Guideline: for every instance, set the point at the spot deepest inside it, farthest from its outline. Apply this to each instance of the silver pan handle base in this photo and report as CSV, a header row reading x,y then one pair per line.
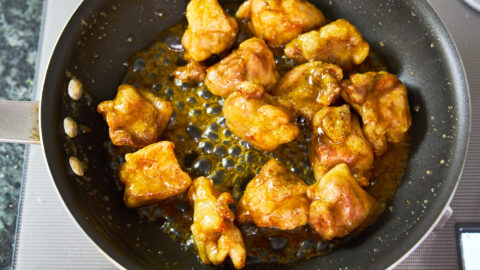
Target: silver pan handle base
x,y
19,122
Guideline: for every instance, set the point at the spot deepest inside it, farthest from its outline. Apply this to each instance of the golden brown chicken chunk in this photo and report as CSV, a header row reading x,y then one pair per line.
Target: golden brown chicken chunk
x,y
136,118
276,198
340,206
338,43
152,174
253,116
210,30
253,61
307,88
382,102
279,21
213,230
338,138
190,73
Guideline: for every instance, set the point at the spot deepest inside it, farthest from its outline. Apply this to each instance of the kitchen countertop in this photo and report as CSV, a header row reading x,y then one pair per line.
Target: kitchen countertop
x,y
19,35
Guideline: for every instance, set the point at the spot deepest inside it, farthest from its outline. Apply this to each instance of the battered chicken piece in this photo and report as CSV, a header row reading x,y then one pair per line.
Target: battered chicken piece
x,y
307,88
340,206
135,118
210,30
152,174
276,198
213,230
382,102
190,73
253,116
279,21
253,61
338,43
338,138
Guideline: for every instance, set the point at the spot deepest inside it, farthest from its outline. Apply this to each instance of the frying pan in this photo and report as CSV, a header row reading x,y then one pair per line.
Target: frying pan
x,y
102,34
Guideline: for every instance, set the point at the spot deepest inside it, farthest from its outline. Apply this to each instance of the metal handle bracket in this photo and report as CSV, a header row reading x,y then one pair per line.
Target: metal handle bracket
x,y
19,122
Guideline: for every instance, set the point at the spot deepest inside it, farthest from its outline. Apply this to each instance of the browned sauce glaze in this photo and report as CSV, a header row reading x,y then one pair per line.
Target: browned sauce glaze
x,y
205,147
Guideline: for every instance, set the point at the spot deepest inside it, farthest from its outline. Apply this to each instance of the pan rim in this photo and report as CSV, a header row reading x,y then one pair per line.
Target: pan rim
x,y
122,261
467,143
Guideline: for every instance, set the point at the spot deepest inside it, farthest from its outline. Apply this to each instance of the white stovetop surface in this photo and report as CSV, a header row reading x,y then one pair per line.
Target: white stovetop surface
x,y
48,238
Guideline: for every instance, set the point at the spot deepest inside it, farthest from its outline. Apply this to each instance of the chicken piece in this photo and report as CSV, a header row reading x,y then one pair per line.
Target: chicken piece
x,y
307,88
338,138
279,21
210,30
338,43
340,206
135,118
253,116
253,61
381,100
276,198
213,230
191,73
152,174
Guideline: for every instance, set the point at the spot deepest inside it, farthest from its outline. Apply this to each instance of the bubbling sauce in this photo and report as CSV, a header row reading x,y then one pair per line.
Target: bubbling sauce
x,y
205,147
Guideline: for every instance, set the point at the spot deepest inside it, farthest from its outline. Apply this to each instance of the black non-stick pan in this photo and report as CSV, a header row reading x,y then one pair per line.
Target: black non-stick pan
x,y
101,36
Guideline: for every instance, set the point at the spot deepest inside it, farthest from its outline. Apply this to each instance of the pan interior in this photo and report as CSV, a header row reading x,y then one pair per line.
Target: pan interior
x,y
103,34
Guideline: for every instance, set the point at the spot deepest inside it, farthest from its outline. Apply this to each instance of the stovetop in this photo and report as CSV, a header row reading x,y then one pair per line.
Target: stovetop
x,y
48,238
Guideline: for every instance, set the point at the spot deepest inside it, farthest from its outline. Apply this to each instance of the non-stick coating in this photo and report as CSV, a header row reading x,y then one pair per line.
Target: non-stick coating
x,y
407,33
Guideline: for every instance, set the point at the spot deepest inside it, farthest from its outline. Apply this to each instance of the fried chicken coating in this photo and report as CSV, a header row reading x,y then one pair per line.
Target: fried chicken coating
x,y
276,198
191,73
253,62
307,88
253,116
279,21
340,206
213,230
338,43
338,138
381,100
152,174
135,118
210,30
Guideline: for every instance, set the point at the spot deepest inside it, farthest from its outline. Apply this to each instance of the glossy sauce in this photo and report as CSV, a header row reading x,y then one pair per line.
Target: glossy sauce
x,y
205,147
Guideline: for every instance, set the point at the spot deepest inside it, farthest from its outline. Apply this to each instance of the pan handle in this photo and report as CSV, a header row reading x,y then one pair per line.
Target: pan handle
x,y
19,122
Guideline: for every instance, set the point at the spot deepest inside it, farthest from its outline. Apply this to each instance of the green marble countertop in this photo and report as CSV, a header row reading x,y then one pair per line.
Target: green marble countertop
x,y
19,34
